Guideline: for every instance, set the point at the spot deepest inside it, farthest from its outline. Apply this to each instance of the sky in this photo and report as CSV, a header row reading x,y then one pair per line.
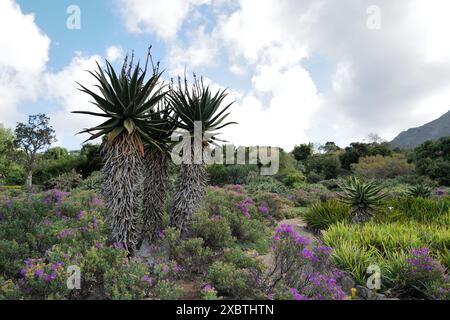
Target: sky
x,y
298,71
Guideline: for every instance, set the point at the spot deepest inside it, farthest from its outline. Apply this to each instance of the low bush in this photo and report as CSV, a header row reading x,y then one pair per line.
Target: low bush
x,y
320,216
193,256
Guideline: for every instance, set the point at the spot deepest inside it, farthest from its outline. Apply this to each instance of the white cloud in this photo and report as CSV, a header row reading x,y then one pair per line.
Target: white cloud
x,y
114,53
164,18
385,80
23,56
201,52
62,89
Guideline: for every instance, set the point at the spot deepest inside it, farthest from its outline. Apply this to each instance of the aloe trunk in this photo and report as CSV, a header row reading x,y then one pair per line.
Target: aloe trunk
x,y
189,191
155,184
122,188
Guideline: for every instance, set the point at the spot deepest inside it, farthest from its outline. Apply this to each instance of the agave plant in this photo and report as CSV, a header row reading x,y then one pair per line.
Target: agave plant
x,y
362,197
420,190
198,108
156,170
126,101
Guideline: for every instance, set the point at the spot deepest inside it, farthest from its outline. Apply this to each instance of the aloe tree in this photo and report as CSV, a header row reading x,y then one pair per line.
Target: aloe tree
x,y
199,109
156,171
125,100
362,197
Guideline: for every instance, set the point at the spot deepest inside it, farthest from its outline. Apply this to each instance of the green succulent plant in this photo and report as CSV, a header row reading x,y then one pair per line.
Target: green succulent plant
x,y
420,191
196,104
362,197
126,100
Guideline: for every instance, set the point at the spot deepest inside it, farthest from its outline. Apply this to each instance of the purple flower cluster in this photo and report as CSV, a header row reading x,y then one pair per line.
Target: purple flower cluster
x,y
37,268
97,202
287,230
264,209
441,192
422,263
298,296
325,287
148,279
67,233
244,206
55,196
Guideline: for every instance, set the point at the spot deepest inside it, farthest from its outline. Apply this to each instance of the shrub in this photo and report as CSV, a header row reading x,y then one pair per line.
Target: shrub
x,y
300,269
64,182
193,256
215,230
9,290
379,167
320,216
167,290
234,282
93,182
265,183
277,206
220,175
423,277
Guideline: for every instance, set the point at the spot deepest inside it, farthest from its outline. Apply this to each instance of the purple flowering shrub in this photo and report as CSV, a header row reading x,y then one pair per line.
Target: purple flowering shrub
x,y
277,206
303,270
208,292
424,276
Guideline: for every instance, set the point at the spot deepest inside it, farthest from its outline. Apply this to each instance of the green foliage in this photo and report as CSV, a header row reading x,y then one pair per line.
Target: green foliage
x,y
358,150
65,182
303,151
363,198
379,167
32,137
93,182
193,255
220,175
420,190
199,103
327,166
127,101
231,281
321,216
215,230
265,183
306,197
387,245
432,159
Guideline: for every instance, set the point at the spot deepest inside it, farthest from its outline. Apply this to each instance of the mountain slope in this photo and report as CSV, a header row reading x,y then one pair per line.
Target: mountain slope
x,y
430,131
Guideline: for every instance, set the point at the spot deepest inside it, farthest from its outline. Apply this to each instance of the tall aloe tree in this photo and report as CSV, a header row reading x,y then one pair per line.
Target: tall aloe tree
x,y
125,100
156,171
195,105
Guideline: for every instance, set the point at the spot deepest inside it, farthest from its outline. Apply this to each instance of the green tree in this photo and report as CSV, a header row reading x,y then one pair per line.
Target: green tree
x,y
33,136
432,159
303,151
358,150
325,165
7,150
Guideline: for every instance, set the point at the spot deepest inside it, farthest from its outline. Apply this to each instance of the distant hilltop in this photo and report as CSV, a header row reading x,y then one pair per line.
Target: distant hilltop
x,y
430,131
